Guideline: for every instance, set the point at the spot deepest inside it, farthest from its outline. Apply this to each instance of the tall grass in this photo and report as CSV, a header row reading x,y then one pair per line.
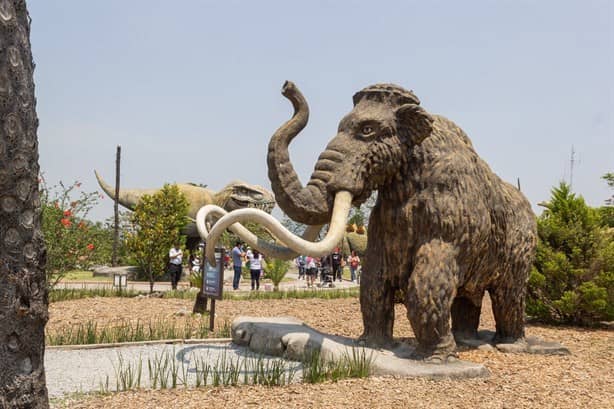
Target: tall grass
x,y
65,294
355,365
165,372
91,332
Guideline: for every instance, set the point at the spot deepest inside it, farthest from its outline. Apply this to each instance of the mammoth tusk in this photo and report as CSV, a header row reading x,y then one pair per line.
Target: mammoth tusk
x,y
271,249
341,209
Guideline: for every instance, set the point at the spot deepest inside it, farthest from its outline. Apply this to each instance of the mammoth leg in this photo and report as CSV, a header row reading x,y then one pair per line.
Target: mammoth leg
x,y
432,288
377,307
508,301
465,318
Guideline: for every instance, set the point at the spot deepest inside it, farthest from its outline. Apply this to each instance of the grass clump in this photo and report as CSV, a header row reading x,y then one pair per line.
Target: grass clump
x,y
164,371
66,294
316,368
91,332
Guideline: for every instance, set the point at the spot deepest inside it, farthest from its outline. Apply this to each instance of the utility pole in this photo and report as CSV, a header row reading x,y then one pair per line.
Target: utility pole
x,y
571,164
116,207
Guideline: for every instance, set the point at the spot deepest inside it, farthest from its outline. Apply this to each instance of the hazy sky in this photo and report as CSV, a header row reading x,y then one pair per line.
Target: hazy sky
x,y
191,89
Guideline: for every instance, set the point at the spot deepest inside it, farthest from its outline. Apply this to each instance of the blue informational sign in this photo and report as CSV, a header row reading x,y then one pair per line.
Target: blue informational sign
x,y
213,280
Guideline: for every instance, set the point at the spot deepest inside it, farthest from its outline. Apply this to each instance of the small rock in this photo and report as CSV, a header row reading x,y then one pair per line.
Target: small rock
x,y
486,347
517,347
181,313
607,324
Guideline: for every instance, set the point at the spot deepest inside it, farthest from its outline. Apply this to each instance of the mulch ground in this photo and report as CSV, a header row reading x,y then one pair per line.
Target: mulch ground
x,y
583,379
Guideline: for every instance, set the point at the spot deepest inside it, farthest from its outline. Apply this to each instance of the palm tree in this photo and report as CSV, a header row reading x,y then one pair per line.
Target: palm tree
x,y
23,293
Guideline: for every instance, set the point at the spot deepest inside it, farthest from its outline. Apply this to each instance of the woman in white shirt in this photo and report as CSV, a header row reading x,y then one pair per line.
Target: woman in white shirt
x,y
255,268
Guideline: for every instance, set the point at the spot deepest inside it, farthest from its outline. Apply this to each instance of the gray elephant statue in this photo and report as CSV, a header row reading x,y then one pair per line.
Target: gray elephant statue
x,y
445,229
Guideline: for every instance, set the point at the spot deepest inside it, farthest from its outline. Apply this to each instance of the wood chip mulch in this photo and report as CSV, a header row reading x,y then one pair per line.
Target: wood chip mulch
x,y
584,379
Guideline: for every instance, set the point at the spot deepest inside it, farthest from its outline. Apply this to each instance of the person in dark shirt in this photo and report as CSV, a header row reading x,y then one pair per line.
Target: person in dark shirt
x,y
336,264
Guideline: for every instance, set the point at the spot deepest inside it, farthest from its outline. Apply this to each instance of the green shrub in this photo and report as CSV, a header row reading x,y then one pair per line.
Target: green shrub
x,y
276,270
71,241
573,277
158,220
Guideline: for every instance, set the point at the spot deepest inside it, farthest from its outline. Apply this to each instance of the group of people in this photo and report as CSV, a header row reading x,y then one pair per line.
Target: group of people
x,y
308,266
253,259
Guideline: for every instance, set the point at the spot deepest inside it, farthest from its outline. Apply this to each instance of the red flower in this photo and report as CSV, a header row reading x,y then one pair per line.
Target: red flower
x,y
67,213
90,246
65,222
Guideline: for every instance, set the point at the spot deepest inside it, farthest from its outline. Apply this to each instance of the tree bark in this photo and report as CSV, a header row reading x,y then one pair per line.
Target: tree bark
x,y
23,289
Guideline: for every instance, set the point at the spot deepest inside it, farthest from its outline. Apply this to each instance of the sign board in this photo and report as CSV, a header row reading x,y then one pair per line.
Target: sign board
x,y
213,276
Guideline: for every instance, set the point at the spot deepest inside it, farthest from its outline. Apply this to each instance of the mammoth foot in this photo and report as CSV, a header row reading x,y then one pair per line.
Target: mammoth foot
x,y
438,357
377,341
292,339
486,340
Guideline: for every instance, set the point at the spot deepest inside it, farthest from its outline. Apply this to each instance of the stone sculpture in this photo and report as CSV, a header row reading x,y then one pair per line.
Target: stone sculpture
x,y
235,195
445,229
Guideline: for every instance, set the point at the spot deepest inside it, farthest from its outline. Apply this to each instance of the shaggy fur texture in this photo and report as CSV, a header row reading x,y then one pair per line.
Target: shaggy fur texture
x,y
444,231
445,228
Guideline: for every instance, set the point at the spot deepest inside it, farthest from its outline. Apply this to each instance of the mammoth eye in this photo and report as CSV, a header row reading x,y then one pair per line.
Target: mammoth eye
x,y
367,130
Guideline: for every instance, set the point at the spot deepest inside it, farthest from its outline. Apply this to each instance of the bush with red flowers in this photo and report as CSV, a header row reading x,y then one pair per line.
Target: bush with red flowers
x,y
72,241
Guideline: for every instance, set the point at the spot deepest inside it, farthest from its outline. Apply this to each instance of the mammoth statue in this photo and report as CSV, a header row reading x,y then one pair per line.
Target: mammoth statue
x,y
445,229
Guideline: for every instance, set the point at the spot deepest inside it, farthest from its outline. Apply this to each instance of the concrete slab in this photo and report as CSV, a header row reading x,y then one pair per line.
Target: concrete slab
x,y
291,338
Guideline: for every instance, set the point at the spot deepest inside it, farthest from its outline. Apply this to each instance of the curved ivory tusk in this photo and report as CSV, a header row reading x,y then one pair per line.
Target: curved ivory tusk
x,y
271,249
341,209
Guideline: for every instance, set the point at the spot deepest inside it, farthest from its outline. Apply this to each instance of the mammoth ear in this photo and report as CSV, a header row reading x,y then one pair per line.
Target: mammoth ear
x,y
414,122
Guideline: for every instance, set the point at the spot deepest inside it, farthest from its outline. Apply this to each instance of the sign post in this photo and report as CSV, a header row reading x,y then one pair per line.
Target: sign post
x,y
213,281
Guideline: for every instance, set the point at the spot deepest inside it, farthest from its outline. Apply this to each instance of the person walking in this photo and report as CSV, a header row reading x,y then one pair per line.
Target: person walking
x,y
300,263
312,270
336,264
237,263
354,262
255,268
175,256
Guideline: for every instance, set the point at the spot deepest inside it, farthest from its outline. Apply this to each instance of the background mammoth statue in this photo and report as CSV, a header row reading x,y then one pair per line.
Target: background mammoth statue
x,y
445,229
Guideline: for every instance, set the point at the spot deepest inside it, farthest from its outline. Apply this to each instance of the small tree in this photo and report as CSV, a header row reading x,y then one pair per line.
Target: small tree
x,y
276,270
573,277
158,220
72,241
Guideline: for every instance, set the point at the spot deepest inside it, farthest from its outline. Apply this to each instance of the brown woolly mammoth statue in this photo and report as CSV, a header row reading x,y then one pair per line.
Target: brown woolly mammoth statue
x,y
445,229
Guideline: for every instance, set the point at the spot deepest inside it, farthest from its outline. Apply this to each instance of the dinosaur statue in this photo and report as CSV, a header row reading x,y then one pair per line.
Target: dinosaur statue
x,y
236,195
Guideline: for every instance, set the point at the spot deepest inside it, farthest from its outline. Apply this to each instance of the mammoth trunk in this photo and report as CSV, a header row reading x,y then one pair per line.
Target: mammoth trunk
x,y
310,204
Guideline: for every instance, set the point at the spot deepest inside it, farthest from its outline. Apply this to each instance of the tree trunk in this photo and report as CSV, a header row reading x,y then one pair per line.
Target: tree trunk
x,y
200,304
23,287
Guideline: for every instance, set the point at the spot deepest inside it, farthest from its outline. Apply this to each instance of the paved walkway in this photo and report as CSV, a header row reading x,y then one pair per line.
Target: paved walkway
x,y
94,370
291,283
